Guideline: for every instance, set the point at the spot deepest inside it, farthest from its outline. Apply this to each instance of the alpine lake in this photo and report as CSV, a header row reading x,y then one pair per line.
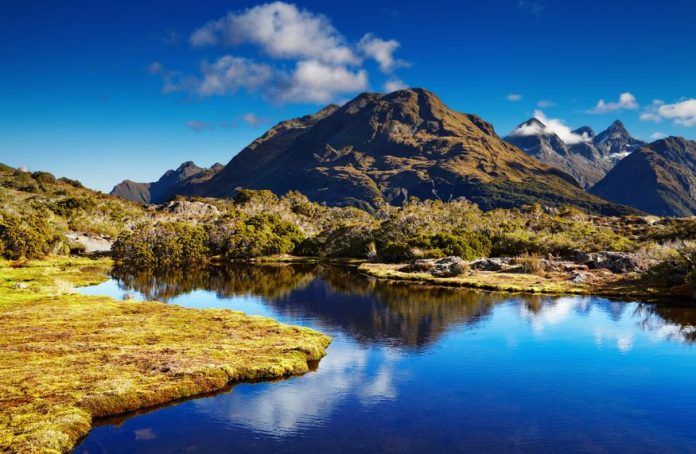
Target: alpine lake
x,y
416,368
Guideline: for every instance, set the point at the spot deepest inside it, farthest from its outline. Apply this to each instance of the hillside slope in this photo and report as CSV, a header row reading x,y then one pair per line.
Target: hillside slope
x,y
659,178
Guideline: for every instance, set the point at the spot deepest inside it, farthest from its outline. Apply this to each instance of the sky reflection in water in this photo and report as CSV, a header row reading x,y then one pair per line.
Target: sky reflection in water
x,y
428,369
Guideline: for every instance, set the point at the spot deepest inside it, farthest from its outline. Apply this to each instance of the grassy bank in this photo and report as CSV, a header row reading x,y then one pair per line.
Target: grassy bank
x,y
68,358
601,283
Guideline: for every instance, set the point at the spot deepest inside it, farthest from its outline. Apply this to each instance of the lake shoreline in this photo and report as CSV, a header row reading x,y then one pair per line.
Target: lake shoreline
x,y
604,283
96,356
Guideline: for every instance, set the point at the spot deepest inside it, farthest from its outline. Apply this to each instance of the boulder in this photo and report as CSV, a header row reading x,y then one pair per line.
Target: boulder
x,y
494,264
579,278
448,267
616,262
190,209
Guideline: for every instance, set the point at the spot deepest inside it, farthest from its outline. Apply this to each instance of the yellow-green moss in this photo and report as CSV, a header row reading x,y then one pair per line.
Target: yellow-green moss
x,y
68,358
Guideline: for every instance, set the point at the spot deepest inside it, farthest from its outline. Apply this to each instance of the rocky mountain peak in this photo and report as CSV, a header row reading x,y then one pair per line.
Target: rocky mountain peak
x,y
584,131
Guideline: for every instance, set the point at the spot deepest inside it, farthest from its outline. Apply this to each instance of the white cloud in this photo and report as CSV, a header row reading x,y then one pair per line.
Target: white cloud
x,y
228,74
198,126
253,120
682,113
394,84
544,103
626,101
282,31
651,112
657,135
382,51
325,67
514,97
314,81
550,126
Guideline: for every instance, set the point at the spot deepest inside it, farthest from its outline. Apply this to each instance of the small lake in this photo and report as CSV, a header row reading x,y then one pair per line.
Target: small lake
x,y
423,369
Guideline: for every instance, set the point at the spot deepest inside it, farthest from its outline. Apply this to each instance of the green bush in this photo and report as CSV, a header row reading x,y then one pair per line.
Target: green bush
x,y
467,245
72,205
162,245
27,237
44,177
261,235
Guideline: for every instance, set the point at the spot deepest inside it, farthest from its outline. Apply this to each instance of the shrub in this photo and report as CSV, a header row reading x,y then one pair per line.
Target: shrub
x,y
162,245
73,183
43,177
676,269
26,237
259,235
72,205
531,263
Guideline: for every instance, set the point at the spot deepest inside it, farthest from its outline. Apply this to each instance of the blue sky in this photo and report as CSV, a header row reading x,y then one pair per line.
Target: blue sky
x,y
103,91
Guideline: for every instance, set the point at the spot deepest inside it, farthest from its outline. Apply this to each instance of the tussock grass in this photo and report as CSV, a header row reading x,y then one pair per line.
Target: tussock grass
x,y
68,358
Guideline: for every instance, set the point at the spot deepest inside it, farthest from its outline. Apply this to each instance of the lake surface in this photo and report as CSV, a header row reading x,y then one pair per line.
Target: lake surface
x,y
422,369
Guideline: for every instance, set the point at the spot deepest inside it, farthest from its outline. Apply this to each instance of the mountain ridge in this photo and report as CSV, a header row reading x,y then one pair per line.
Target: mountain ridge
x,y
172,182
384,148
588,159
659,178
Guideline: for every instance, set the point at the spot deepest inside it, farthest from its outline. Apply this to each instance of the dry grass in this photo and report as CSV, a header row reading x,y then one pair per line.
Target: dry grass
x,y
68,358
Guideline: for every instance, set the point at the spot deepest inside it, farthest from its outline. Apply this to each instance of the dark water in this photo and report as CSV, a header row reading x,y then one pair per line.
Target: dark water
x,y
417,369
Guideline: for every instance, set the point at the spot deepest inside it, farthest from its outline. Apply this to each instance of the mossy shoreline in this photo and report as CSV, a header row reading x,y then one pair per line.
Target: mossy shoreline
x,y
69,358
605,284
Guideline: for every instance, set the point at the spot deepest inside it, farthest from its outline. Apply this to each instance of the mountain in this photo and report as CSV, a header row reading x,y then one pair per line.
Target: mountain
x,y
615,142
171,183
585,156
659,178
387,147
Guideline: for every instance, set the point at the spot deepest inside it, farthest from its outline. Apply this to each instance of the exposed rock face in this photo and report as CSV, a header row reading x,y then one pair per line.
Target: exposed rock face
x,y
384,148
659,178
615,142
448,267
587,158
616,262
171,183
91,243
487,264
193,210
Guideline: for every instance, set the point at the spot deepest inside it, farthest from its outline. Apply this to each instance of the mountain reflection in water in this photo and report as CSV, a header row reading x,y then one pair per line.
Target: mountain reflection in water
x,y
415,368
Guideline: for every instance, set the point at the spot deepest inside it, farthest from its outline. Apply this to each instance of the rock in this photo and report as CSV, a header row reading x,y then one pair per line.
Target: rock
x,y
21,286
90,243
448,267
516,269
616,262
191,209
580,278
570,266
495,264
